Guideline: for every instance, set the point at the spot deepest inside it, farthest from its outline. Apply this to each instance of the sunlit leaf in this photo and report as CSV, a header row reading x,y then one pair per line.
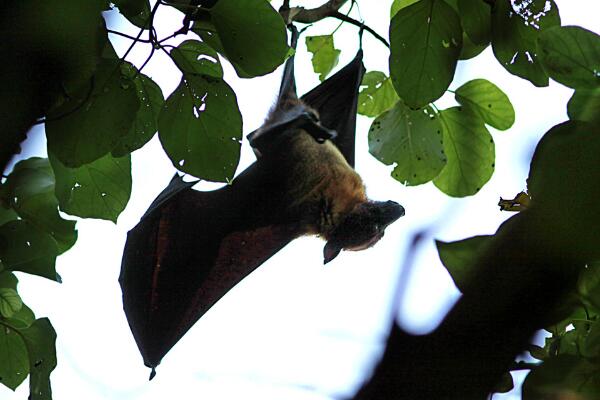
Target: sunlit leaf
x,y
397,5
200,128
584,105
25,248
412,140
14,367
10,302
87,127
460,257
145,124
251,34
571,56
30,188
486,99
475,17
100,189
516,26
377,94
325,55
197,58
425,39
470,151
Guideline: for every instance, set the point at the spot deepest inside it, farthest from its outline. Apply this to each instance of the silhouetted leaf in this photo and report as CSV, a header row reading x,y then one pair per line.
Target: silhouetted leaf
x,y
412,140
571,56
200,128
584,105
145,124
425,39
84,129
470,151
325,55
100,189
40,340
25,248
30,189
515,29
565,374
377,94
460,257
486,99
136,11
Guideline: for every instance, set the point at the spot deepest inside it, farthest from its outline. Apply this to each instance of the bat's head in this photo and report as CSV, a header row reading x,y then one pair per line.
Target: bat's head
x,y
362,227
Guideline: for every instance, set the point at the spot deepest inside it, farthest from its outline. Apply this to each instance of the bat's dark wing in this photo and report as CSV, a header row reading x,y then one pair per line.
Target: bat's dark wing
x,y
336,99
190,248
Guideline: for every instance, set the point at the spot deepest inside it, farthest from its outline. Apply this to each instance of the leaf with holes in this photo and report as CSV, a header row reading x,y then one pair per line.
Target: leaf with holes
x,y
515,29
86,128
571,56
25,248
325,55
197,58
40,341
14,367
425,40
460,257
412,140
100,189
487,100
377,94
200,128
470,150
584,105
145,124
30,190
10,302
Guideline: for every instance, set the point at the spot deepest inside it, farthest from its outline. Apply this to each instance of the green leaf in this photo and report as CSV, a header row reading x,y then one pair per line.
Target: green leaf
x,y
23,318
571,56
325,55
515,29
469,49
412,140
397,5
470,150
136,11
487,100
40,340
7,214
460,257
10,302
249,33
84,129
25,248
565,374
200,128
30,188
197,58
563,182
8,280
100,189
145,124
14,367
475,17
425,39
584,105
377,94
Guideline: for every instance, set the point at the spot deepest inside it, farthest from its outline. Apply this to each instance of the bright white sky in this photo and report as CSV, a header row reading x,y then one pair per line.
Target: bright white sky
x,y
293,329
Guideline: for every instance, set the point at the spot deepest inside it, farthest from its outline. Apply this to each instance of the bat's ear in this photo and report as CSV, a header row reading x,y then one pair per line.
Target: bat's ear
x,y
330,251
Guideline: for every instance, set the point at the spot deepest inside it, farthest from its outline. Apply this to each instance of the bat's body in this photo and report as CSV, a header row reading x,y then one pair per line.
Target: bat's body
x,y
191,247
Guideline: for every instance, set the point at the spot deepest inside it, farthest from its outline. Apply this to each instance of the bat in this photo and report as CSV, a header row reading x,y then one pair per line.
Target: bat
x,y
192,247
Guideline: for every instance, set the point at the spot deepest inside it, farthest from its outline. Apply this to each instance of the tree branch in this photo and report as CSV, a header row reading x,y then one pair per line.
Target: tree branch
x,y
345,18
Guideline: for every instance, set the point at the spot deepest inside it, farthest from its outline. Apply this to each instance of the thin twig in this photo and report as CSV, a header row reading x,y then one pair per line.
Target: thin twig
x,y
345,18
128,36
